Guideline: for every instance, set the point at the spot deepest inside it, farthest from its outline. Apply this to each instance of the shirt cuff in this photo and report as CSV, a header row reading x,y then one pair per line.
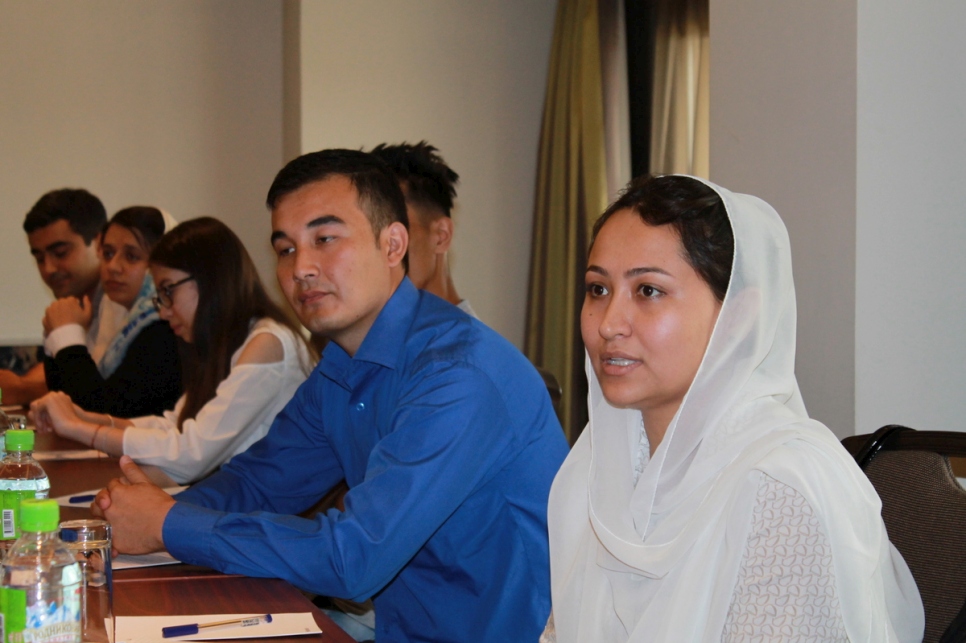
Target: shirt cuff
x,y
64,336
187,533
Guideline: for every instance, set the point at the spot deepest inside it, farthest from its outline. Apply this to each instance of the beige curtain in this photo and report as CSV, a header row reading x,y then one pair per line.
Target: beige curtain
x,y
679,133
613,65
571,193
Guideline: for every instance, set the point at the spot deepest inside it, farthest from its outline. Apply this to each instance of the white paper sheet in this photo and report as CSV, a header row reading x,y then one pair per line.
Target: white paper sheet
x,y
147,629
129,561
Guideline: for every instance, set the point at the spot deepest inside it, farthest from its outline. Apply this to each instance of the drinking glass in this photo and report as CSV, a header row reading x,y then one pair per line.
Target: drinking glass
x,y
90,540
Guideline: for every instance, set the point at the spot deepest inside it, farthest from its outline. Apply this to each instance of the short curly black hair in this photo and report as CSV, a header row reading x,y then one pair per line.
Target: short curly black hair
x,y
429,181
697,213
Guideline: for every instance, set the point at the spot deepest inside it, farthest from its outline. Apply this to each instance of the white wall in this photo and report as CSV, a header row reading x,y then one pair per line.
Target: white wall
x,y
174,103
783,84
911,251
470,78
848,117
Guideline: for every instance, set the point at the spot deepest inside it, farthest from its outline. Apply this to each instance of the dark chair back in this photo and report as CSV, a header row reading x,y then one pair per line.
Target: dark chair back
x,y
553,387
924,510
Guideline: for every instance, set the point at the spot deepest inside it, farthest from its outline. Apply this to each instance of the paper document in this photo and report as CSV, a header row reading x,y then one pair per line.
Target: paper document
x,y
130,561
147,629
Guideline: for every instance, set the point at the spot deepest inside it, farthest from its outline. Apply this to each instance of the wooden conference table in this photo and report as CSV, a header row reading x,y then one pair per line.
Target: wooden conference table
x,y
178,589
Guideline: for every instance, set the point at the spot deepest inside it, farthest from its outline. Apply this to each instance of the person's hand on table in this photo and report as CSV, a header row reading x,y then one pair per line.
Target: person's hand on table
x,y
136,509
68,310
55,412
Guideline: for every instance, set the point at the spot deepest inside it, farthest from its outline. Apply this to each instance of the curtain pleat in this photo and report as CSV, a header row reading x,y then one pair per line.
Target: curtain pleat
x,y
680,111
571,193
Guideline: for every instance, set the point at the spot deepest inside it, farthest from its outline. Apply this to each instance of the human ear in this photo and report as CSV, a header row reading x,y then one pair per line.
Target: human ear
x,y
442,231
395,242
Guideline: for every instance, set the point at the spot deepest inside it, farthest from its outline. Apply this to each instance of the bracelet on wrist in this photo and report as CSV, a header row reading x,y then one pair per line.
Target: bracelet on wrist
x,y
96,431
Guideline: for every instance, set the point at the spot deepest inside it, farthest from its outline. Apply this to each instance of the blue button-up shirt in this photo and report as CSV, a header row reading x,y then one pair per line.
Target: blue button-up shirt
x,y
447,439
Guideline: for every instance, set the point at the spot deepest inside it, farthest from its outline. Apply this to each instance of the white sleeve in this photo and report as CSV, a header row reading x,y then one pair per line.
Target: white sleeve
x,y
64,336
168,421
245,404
786,583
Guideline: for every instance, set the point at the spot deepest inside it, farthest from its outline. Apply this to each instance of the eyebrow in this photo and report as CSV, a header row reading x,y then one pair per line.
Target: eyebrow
x,y
633,272
317,222
57,245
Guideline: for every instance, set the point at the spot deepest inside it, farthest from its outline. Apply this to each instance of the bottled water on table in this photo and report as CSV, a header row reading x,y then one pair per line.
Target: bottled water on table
x,y
21,477
40,587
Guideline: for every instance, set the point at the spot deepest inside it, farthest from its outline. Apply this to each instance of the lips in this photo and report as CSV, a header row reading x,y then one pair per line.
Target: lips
x,y
618,363
56,282
311,297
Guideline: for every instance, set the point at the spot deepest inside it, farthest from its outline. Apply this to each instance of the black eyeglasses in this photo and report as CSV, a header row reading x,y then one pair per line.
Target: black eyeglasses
x,y
163,298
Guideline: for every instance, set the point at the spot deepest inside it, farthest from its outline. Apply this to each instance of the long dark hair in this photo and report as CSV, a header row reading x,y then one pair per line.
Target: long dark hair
x,y
230,296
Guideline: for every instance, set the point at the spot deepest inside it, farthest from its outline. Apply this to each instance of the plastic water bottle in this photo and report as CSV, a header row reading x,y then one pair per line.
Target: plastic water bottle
x,y
20,478
40,588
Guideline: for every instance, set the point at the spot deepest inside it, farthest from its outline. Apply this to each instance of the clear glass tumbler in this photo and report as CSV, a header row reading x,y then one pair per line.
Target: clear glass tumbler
x,y
90,540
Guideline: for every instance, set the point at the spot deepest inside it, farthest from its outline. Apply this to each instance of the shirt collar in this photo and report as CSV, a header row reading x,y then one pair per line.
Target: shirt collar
x,y
384,343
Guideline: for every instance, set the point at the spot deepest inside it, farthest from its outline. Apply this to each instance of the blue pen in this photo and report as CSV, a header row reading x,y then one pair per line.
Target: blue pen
x,y
76,500
193,628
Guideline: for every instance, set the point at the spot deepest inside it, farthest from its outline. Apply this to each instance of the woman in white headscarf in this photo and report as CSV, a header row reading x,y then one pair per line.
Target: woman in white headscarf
x,y
701,503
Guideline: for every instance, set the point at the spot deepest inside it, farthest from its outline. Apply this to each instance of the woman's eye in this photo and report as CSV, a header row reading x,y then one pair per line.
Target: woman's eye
x,y
596,290
649,291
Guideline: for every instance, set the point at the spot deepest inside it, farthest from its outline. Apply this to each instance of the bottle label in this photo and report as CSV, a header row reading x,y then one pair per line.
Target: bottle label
x,y
41,622
10,511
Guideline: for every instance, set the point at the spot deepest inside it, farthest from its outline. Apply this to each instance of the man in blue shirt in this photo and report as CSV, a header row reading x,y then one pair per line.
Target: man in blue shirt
x,y
443,431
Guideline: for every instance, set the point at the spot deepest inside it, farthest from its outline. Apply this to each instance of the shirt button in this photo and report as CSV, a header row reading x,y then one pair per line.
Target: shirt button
x,y
361,406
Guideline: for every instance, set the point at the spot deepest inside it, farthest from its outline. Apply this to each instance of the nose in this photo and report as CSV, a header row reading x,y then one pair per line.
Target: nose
x,y
113,264
615,320
48,266
305,267
164,313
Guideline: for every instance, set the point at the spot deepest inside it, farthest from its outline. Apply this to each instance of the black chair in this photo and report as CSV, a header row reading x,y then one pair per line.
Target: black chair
x,y
553,388
924,510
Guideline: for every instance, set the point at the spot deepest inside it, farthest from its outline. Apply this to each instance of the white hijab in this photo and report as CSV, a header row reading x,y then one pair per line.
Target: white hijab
x,y
658,561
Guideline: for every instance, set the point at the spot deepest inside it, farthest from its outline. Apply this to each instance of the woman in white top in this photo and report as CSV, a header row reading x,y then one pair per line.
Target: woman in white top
x,y
701,503
242,360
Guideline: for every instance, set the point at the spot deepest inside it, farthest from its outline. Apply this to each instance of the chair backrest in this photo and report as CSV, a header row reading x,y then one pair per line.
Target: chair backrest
x,y
553,388
924,510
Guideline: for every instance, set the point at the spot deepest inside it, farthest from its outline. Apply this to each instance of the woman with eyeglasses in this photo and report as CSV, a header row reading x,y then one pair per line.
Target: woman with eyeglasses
x,y
242,359
137,371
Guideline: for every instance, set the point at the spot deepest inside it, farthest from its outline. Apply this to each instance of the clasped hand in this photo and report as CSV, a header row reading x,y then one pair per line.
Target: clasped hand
x,y
136,509
68,310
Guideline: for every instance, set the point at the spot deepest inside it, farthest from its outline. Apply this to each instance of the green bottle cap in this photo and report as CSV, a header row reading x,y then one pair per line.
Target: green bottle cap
x,y
39,515
20,440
